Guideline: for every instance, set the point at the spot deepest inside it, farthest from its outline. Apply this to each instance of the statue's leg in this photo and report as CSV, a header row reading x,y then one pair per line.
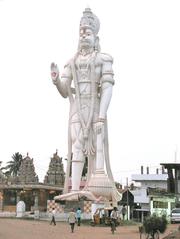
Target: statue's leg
x,y
78,156
99,144
100,152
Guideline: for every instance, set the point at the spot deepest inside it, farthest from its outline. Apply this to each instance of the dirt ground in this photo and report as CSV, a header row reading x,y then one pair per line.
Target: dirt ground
x,y
29,229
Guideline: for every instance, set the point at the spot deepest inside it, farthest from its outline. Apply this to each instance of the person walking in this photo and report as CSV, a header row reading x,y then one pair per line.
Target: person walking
x,y
72,219
101,215
114,217
123,211
78,216
53,217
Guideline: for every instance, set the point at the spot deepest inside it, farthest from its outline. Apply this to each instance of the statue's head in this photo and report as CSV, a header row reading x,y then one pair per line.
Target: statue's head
x,y
88,30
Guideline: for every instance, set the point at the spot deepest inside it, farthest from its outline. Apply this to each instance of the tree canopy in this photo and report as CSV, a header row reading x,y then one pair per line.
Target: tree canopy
x,y
13,166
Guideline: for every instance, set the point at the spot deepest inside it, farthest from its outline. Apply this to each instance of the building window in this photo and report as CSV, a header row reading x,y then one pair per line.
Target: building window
x,y
159,204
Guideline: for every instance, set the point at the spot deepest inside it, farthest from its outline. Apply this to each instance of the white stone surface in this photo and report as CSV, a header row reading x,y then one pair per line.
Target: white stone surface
x,y
87,81
20,209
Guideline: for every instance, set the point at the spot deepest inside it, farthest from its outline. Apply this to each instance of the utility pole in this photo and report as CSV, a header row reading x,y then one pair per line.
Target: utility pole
x,y
127,199
175,155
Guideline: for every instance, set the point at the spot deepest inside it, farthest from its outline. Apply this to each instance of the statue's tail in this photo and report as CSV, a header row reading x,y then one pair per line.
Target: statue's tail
x,y
116,196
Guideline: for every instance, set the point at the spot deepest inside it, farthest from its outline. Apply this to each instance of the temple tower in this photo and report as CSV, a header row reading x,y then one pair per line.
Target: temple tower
x,y
27,171
55,174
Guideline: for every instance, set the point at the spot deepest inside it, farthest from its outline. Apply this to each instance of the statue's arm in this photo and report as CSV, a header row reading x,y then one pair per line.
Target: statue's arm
x,y
107,83
106,94
63,83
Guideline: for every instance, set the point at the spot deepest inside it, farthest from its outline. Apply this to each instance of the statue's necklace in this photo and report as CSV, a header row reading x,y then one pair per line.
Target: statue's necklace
x,y
83,68
90,68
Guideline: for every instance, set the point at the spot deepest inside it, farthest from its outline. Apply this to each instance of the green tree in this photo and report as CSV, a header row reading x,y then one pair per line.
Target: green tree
x,y
13,166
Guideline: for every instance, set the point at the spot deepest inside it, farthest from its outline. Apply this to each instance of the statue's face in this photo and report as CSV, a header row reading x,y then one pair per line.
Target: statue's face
x,y
86,38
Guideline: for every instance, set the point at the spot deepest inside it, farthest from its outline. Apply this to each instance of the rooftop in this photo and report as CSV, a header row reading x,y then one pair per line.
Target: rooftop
x,y
171,165
149,177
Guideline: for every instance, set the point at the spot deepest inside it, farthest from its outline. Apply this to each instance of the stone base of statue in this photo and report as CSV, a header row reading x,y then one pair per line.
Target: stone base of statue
x,y
101,186
100,189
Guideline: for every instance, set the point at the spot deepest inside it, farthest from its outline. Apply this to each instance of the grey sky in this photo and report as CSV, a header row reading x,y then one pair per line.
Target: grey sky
x,y
143,38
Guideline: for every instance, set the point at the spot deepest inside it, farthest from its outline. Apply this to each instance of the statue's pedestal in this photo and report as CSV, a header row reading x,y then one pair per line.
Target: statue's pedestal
x,y
74,204
100,189
101,186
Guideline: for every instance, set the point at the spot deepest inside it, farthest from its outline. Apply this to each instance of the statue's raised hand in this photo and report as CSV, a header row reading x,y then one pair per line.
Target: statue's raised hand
x,y
54,73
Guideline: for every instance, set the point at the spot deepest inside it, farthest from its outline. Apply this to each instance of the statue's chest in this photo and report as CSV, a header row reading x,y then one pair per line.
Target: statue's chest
x,y
87,68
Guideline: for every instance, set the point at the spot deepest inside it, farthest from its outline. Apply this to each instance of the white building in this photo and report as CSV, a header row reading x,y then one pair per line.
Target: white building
x,y
147,181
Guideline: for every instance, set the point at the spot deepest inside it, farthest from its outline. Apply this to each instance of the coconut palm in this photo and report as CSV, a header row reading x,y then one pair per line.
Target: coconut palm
x,y
13,166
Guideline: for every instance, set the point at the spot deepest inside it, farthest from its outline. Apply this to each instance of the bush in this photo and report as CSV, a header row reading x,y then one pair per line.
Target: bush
x,y
155,224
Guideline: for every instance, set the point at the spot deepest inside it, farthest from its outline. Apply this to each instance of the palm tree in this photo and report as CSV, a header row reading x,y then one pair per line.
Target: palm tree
x,y
13,166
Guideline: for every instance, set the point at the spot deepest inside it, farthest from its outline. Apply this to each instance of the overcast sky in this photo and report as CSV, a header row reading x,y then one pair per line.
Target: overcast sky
x,y
144,39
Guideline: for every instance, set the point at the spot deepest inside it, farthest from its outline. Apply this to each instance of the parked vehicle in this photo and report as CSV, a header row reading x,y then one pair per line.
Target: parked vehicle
x,y
175,215
102,216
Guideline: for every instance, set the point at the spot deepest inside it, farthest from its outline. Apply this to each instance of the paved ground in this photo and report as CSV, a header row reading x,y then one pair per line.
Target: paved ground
x,y
28,229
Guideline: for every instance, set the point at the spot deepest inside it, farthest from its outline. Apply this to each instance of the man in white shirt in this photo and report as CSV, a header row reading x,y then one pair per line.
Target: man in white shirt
x,y
114,216
72,219
53,217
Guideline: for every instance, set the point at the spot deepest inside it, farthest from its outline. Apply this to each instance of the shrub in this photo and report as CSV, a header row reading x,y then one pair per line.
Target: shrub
x,y
155,224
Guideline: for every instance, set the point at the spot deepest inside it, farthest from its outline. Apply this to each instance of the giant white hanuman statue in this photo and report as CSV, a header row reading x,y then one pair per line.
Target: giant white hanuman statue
x,y
87,81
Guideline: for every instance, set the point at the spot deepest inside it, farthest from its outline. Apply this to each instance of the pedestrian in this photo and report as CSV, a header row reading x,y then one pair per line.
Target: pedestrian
x,y
123,211
101,215
114,217
53,217
78,216
110,210
72,219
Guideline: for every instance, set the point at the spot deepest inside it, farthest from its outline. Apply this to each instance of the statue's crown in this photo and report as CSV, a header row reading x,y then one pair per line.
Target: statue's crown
x,y
89,20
